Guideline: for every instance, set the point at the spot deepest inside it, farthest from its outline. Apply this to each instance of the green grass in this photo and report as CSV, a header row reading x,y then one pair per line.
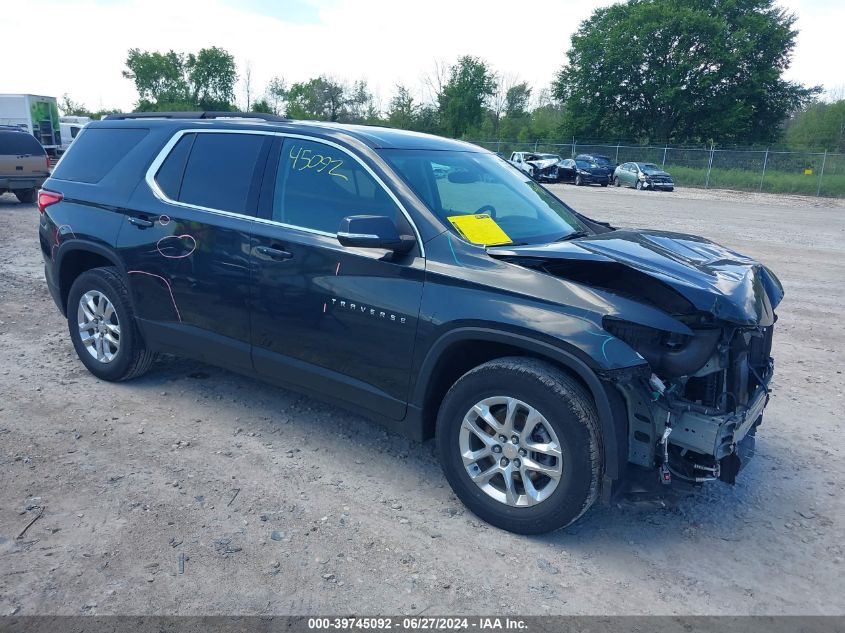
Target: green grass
x,y
832,185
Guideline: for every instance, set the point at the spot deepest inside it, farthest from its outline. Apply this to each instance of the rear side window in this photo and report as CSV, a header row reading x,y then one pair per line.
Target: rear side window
x,y
169,175
95,153
19,143
220,171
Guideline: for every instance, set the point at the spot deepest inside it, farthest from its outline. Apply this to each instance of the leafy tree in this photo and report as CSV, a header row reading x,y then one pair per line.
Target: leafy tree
x,y
402,111
516,100
819,125
360,104
69,107
681,70
172,80
427,119
471,83
327,99
158,77
211,77
276,94
263,106
322,98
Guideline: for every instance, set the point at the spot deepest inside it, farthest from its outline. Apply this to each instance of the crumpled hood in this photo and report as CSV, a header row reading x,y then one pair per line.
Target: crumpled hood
x,y
655,172
542,164
712,278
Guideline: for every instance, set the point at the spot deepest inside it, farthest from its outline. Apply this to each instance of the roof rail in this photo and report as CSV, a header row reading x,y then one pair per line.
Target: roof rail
x,y
195,115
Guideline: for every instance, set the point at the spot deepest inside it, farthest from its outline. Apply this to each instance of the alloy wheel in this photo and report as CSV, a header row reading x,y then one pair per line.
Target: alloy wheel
x,y
510,451
99,327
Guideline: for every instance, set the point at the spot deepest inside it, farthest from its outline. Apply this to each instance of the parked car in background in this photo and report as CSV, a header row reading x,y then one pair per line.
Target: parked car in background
x,y
583,172
69,132
71,126
599,159
24,165
538,166
643,176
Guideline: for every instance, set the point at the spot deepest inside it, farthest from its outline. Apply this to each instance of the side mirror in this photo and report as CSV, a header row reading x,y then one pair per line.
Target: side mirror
x,y
462,176
373,231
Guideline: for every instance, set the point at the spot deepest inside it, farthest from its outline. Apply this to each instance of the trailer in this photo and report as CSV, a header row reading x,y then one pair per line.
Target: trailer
x,y
37,114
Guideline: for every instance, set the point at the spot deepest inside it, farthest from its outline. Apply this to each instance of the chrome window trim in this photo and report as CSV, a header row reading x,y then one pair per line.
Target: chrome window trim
x,y
165,152
363,236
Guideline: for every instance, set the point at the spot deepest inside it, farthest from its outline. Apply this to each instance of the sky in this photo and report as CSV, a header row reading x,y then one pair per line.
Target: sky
x,y
383,41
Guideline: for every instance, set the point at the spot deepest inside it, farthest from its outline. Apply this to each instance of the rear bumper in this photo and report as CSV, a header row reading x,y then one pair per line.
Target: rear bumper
x,y
13,183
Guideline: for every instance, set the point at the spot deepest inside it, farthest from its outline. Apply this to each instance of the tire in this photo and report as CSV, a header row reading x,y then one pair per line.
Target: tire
x,y
616,182
129,357
639,185
563,404
604,184
27,196
578,181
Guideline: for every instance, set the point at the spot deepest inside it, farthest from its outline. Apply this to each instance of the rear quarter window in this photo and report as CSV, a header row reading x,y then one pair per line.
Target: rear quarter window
x,y
220,171
96,151
18,143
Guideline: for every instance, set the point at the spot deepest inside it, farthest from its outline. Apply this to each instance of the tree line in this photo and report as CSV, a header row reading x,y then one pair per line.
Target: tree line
x,y
647,71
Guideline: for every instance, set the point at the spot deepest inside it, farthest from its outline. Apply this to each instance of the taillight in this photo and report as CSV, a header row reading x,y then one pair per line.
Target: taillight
x,y
47,158
47,198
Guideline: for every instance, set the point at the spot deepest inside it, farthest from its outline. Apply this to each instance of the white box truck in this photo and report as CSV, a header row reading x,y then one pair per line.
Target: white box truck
x,y
37,114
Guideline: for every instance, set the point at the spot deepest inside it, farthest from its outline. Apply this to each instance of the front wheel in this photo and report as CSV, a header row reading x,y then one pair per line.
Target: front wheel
x,y
616,182
518,441
578,181
639,185
27,196
604,184
102,326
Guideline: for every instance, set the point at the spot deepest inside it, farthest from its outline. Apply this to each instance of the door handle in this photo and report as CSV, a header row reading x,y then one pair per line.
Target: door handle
x,y
273,253
141,223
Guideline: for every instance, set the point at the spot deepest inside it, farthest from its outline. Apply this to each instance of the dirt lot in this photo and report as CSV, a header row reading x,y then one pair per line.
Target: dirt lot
x,y
281,504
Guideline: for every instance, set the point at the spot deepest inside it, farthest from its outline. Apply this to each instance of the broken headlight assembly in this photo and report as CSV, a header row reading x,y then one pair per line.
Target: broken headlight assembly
x,y
670,355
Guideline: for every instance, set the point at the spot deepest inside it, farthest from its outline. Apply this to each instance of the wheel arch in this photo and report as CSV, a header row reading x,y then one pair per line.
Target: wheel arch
x,y
75,257
458,351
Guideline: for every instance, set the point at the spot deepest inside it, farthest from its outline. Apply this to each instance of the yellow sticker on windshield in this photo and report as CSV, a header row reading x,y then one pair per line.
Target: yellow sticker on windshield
x,y
480,229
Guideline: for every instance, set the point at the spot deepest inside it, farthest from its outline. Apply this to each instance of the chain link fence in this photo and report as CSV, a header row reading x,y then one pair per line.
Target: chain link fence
x,y
762,170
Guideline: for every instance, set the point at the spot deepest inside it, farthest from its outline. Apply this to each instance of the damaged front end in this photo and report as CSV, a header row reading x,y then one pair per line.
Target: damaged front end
x,y
694,416
693,410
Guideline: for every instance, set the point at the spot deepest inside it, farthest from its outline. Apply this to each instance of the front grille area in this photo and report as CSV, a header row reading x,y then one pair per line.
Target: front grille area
x,y
745,365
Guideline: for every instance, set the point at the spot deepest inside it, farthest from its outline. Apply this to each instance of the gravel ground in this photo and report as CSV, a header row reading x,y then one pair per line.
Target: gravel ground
x,y
276,503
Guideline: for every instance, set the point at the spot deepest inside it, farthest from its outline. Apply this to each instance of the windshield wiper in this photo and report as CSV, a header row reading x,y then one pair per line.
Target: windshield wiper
x,y
572,236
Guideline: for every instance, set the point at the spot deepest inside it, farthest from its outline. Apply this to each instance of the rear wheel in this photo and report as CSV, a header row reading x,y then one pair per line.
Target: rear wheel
x,y
102,326
27,196
518,440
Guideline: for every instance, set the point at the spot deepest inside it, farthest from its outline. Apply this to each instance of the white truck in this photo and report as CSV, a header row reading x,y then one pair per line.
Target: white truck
x,y
71,126
37,114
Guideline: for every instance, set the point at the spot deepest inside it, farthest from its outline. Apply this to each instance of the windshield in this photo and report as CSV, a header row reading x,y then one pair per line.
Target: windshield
x,y
549,157
475,184
649,167
583,164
